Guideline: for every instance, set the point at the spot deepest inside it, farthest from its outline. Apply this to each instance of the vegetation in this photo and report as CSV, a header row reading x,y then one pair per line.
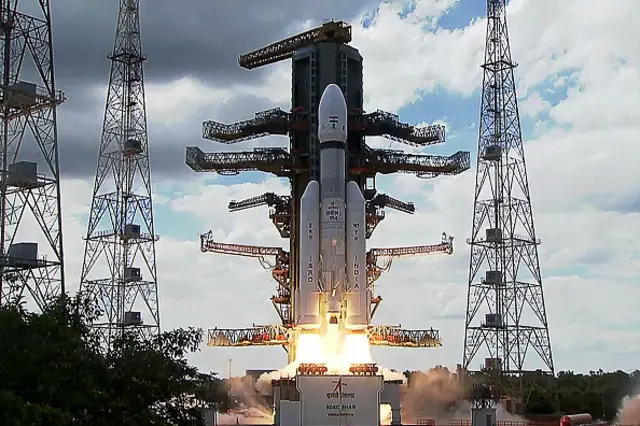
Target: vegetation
x,y
598,393
53,372
545,397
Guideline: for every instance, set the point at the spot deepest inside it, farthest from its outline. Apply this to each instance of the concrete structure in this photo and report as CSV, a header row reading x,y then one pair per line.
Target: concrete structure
x,y
328,399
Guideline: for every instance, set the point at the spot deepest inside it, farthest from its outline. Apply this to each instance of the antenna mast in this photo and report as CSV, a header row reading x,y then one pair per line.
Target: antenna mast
x,y
119,269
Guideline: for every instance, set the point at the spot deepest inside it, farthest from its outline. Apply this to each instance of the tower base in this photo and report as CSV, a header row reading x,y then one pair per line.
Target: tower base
x,y
335,399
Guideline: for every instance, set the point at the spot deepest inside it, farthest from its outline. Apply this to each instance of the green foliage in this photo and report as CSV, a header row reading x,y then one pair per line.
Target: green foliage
x,y
598,393
546,397
53,372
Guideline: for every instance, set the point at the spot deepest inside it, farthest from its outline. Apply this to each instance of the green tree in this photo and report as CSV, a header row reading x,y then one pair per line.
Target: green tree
x,y
53,372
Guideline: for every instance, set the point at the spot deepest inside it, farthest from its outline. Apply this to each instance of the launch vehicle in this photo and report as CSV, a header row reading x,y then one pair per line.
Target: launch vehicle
x,y
333,287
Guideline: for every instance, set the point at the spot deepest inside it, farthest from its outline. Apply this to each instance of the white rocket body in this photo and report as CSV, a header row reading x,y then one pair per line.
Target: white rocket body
x,y
333,285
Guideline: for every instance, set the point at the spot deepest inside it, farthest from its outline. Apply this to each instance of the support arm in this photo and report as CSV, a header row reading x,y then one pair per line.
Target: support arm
x,y
445,247
423,166
388,125
271,122
375,210
384,335
278,122
270,160
268,199
269,335
383,200
374,270
279,209
276,335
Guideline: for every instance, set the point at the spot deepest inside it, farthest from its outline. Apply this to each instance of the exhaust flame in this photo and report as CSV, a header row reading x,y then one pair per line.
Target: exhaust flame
x,y
337,351
334,349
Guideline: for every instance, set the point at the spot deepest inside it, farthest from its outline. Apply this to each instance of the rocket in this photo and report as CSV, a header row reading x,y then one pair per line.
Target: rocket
x,y
332,275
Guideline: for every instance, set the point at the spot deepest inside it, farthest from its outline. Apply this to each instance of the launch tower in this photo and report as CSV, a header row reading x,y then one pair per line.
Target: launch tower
x,y
506,316
31,257
119,269
320,57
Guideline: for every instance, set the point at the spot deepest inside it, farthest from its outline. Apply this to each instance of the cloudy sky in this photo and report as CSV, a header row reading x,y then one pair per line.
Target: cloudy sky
x,y
579,90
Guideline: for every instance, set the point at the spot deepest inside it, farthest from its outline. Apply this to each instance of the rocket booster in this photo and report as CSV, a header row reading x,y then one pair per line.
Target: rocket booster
x,y
333,286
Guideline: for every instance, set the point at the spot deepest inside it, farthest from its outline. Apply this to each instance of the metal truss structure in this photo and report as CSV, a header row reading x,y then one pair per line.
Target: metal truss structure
x,y
379,260
331,32
31,252
506,316
119,269
278,122
299,164
279,210
277,335
279,162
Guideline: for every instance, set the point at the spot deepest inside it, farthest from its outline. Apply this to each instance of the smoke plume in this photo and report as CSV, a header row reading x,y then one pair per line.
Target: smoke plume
x,y
630,411
249,416
253,407
437,394
431,395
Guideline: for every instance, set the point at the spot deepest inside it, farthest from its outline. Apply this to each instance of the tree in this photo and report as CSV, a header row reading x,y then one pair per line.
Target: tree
x,y
52,371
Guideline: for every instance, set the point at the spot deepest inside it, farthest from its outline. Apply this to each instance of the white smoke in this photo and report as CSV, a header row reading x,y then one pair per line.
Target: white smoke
x,y
247,416
629,413
438,395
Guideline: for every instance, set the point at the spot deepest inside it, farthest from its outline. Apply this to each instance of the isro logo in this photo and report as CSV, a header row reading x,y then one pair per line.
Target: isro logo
x,y
338,391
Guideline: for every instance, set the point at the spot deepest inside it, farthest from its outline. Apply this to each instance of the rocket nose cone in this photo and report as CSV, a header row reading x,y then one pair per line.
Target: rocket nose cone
x,y
332,91
332,115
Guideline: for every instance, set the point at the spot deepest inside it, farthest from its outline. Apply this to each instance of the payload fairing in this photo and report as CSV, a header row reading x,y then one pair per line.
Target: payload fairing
x,y
333,286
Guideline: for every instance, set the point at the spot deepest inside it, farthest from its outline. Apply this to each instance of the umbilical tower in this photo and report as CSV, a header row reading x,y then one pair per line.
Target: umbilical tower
x,y
320,57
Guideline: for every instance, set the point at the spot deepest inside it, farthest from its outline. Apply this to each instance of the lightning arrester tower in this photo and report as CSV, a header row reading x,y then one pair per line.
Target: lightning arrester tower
x,y
120,232
506,316
31,260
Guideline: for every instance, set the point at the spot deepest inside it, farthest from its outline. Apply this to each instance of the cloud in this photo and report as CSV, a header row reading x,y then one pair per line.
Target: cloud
x,y
202,41
577,76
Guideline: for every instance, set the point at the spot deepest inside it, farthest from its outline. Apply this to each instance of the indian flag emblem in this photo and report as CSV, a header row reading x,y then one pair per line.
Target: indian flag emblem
x,y
333,119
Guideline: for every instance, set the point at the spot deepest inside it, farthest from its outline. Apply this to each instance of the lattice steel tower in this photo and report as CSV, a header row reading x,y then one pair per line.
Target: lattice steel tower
x,y
505,307
120,230
31,226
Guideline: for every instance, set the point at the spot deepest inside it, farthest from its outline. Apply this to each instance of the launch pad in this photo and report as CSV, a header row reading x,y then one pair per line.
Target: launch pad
x,y
321,57
315,398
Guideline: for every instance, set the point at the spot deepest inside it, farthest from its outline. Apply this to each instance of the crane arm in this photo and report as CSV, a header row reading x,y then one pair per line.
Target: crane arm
x,y
424,166
388,125
207,244
267,335
270,160
269,199
275,335
333,32
271,122
384,335
446,246
383,200
278,122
